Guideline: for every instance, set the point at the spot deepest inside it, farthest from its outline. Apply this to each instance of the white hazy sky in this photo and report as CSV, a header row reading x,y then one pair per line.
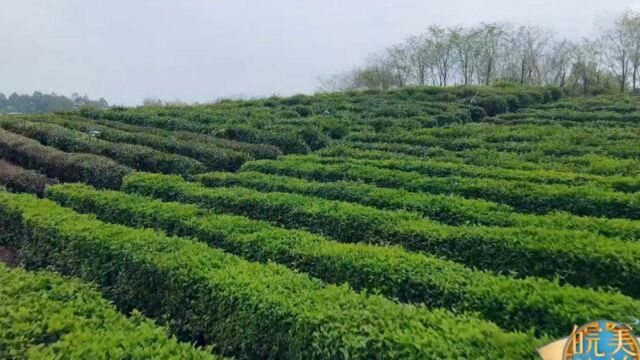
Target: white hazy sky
x,y
199,50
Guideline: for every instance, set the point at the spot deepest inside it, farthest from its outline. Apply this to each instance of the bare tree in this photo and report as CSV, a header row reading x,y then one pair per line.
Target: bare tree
x,y
467,46
617,40
492,38
419,57
336,82
529,44
399,60
440,45
530,55
630,23
559,62
587,66
377,74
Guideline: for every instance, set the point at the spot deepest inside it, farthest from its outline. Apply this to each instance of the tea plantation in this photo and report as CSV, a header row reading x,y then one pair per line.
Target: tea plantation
x,y
421,223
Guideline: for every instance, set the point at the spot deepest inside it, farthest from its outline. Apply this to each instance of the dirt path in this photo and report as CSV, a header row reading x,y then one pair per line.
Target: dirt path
x,y
9,255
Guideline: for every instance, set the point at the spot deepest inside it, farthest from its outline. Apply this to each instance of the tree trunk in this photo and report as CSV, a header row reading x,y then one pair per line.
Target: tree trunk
x,y
487,79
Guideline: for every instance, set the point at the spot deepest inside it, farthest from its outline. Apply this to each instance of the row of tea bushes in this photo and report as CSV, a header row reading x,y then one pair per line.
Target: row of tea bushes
x,y
16,178
256,151
588,164
284,122
620,103
69,167
289,139
46,316
248,310
448,209
493,135
436,168
580,116
561,143
521,251
408,103
213,157
522,196
527,120
135,156
511,303
497,135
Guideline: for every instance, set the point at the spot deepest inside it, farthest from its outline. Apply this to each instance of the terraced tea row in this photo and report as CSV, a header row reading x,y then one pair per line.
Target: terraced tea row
x,y
246,309
134,156
91,169
588,164
214,153
448,209
562,144
522,196
522,251
434,168
627,117
46,316
16,178
256,151
513,304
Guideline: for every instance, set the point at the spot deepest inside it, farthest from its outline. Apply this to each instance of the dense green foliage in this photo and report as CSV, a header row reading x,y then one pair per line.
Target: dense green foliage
x,y
511,303
510,250
589,164
445,208
521,195
436,168
302,123
553,140
185,138
60,318
135,156
214,153
464,222
16,178
247,309
92,169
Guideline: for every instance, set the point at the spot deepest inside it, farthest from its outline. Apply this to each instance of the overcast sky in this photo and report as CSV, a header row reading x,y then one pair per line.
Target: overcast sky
x,y
200,50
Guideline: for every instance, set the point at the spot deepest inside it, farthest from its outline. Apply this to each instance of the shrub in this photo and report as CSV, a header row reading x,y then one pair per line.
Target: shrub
x,y
303,111
449,209
477,113
214,156
91,169
521,251
493,105
16,178
522,196
248,310
512,304
435,168
256,151
46,316
135,156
